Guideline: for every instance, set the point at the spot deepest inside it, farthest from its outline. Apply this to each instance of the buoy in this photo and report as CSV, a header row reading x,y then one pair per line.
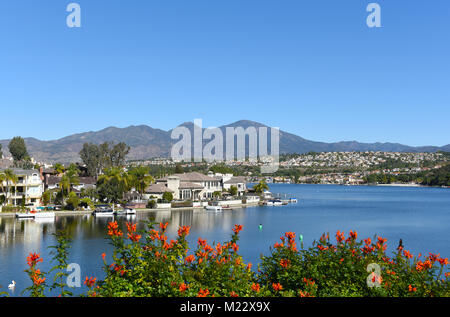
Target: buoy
x,y
301,238
260,227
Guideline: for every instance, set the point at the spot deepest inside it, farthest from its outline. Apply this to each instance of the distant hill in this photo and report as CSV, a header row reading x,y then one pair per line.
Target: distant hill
x,y
147,142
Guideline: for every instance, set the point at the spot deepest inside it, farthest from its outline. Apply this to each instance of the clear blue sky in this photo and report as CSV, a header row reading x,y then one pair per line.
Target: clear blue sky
x,y
310,67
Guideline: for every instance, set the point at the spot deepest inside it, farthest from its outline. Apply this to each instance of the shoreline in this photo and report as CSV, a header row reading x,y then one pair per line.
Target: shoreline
x,y
88,212
374,185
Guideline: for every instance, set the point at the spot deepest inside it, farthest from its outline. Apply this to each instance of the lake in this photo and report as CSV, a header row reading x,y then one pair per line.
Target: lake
x,y
418,216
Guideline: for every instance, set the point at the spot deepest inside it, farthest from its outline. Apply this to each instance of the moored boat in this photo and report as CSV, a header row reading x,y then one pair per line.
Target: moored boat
x,y
44,215
126,211
214,207
24,215
103,211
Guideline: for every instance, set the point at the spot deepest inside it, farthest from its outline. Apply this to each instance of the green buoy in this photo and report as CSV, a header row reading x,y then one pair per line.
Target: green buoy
x,y
260,226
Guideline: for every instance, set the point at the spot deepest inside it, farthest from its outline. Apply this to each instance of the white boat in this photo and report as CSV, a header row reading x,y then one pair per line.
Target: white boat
x,y
126,211
214,207
44,220
277,202
24,215
103,211
274,202
44,215
293,200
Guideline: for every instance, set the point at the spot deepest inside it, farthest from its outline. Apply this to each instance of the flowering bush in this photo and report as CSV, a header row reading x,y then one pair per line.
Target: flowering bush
x,y
147,264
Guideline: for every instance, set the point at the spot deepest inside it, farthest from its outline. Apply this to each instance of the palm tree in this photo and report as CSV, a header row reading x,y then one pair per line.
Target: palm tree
x,y
260,187
59,168
64,184
10,178
140,178
2,179
116,177
72,175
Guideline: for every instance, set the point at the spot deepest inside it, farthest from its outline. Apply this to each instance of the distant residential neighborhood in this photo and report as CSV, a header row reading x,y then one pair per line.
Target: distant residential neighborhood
x,y
104,175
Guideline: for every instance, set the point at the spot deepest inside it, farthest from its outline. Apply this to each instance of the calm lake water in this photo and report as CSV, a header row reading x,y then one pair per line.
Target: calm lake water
x,y
418,216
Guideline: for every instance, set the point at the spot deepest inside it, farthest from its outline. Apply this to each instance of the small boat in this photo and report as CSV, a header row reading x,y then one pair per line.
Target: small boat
x,y
24,215
277,202
44,215
214,207
103,211
126,211
293,200
274,202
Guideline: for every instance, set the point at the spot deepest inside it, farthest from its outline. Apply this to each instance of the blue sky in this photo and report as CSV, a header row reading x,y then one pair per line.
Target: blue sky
x,y
310,67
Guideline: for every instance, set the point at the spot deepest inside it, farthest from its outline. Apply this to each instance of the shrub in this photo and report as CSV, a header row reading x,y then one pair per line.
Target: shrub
x,y
147,264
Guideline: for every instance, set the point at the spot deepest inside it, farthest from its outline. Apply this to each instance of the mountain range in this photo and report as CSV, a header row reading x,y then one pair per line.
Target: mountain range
x,y
147,142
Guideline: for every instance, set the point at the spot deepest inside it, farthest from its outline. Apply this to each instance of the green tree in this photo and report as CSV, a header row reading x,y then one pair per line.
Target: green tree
x,y
167,196
179,169
59,168
11,179
260,187
90,155
64,186
73,201
18,149
233,190
140,178
46,197
113,184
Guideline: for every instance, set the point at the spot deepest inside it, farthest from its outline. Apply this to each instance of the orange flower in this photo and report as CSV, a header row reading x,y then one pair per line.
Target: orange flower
x,y
233,294
163,226
249,266
277,287
291,240
190,259
322,248
183,287
113,229
278,245
103,255
237,229
353,235
33,259
131,227
89,282
235,247
411,289
255,287
340,236
442,261
285,263
201,242
203,293
183,231
407,254
308,281
35,275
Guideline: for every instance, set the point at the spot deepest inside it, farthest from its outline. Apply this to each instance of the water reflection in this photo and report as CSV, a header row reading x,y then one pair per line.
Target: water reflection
x,y
421,217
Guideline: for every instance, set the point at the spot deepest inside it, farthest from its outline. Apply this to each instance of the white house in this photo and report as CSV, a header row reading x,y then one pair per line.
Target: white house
x,y
29,186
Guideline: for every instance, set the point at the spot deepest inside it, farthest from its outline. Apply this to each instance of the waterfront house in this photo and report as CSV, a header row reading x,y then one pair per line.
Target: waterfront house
x,y
191,186
27,190
239,182
52,182
156,191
